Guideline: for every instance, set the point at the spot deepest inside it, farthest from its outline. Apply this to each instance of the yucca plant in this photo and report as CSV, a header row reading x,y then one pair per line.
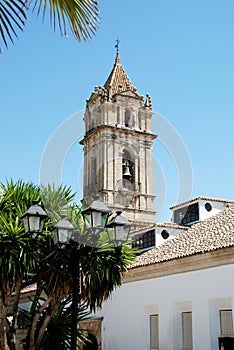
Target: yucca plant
x,y
15,256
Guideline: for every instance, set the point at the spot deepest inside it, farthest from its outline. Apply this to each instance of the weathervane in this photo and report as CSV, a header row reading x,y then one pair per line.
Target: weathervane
x,y
117,44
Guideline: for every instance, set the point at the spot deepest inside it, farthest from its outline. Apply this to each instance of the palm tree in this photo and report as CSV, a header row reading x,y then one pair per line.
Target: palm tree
x,y
80,15
15,257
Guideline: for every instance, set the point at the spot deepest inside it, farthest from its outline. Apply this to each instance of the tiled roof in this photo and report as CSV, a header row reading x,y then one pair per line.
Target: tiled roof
x,y
171,225
214,233
143,230
205,199
118,79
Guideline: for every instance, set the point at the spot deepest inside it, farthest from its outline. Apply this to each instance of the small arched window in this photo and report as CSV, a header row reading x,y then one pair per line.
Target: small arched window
x,y
127,118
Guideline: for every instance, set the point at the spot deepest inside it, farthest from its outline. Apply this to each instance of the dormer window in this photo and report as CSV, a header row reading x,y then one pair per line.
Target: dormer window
x,y
187,215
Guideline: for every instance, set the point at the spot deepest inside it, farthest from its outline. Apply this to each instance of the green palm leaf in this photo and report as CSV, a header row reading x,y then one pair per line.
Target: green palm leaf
x,y
12,16
56,200
81,16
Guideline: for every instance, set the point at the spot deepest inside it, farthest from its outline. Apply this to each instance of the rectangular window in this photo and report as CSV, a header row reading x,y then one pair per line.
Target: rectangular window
x,y
146,240
226,322
187,332
187,214
154,334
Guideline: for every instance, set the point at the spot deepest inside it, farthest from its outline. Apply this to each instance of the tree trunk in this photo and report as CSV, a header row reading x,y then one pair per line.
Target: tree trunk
x,y
48,319
11,331
3,314
3,336
11,336
32,345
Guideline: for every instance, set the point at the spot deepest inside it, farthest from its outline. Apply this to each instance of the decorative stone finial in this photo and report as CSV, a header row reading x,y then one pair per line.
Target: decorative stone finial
x,y
109,93
148,103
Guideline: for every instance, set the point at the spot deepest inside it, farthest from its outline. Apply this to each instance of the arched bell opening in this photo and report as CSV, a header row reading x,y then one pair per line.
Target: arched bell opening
x,y
127,118
128,168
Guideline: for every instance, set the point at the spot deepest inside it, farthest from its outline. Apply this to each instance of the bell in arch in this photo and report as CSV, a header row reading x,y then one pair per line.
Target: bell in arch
x,y
126,173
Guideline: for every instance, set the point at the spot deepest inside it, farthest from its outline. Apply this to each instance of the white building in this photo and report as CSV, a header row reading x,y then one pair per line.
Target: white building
x,y
177,296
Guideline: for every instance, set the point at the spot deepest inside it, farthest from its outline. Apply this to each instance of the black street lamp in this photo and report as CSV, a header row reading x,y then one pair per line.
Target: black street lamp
x,y
62,232
95,218
119,229
96,215
34,220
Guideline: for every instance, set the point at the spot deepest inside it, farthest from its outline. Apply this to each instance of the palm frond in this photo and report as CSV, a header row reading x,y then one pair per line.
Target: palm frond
x,y
82,16
12,18
56,200
103,272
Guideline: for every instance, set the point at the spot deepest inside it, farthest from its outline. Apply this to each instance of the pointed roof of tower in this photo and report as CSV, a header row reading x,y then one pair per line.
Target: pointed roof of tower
x,y
118,79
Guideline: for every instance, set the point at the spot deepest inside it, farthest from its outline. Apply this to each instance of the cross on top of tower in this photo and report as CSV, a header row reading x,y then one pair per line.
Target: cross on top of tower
x,y
117,45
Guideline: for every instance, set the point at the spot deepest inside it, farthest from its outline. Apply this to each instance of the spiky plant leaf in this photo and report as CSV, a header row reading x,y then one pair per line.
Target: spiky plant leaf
x,y
12,18
81,16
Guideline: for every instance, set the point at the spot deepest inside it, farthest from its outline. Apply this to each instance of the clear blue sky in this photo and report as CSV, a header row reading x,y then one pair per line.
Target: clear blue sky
x,y
181,52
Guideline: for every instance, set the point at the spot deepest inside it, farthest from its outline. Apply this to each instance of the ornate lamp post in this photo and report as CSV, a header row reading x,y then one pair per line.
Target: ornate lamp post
x,y
95,219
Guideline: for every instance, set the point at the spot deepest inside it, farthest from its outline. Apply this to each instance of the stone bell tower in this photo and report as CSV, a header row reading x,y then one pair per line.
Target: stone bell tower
x,y
118,148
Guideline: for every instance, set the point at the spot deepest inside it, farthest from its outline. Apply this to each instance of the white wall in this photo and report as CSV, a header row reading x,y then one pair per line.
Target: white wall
x,y
126,314
216,208
172,233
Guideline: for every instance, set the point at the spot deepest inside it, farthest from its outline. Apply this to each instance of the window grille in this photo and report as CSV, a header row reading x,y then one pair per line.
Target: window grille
x,y
146,240
185,215
226,322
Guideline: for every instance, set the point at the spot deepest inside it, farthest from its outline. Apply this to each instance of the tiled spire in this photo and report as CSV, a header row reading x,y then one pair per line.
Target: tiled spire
x,y
118,80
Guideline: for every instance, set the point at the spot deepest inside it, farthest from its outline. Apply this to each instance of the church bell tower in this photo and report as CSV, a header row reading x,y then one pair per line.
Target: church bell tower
x,y
118,148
